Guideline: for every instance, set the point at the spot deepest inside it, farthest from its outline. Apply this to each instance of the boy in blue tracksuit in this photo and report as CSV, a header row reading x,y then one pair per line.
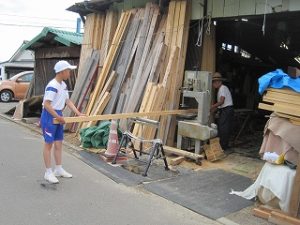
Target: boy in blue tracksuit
x,y
55,98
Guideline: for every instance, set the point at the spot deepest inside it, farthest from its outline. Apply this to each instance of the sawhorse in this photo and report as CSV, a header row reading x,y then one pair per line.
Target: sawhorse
x,y
155,151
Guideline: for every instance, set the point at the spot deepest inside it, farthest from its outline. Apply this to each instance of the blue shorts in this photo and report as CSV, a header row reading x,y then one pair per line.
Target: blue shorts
x,y
51,132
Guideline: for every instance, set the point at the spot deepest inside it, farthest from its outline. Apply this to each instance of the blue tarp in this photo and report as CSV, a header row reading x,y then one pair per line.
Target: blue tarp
x,y
278,79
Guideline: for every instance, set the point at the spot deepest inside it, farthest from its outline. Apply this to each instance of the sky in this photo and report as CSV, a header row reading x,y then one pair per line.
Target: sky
x,y
24,19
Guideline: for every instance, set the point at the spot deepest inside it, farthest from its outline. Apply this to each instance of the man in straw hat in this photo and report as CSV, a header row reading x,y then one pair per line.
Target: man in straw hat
x,y
225,106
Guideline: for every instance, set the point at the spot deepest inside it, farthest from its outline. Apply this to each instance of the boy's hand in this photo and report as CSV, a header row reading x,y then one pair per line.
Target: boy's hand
x,y
60,119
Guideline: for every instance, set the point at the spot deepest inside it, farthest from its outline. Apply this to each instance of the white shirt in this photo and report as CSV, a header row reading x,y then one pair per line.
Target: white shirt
x,y
224,91
57,93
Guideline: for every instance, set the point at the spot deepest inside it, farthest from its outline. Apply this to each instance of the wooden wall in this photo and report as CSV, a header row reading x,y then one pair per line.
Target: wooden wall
x,y
224,8
231,8
45,59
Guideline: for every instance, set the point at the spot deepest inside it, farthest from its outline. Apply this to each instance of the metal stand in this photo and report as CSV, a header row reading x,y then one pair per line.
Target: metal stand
x,y
155,151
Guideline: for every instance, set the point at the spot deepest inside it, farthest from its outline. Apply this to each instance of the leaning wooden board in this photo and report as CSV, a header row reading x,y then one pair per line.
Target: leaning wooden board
x,y
124,116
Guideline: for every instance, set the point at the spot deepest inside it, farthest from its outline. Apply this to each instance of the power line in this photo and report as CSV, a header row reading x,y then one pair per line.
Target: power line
x,y
31,25
34,17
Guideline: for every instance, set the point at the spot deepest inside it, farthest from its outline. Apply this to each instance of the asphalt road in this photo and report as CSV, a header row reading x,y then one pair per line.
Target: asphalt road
x,y
89,198
4,107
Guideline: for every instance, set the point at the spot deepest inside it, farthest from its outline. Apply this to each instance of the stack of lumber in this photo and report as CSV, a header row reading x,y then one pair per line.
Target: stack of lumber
x,y
141,59
91,56
275,216
284,102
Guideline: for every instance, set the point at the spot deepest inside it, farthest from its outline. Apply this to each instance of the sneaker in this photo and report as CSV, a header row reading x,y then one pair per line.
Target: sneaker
x,y
51,178
62,173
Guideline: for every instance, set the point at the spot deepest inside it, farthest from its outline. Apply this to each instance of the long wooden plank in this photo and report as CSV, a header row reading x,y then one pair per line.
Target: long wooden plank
x,y
100,107
182,42
122,63
282,219
142,38
157,63
180,152
110,26
148,91
287,108
295,118
170,21
124,116
122,26
157,106
284,91
86,85
175,30
107,88
261,213
148,108
82,82
141,76
265,107
280,108
279,100
170,71
116,43
109,59
295,99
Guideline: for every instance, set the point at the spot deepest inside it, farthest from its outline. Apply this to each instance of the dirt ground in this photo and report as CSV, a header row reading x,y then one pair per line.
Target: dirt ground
x,y
235,162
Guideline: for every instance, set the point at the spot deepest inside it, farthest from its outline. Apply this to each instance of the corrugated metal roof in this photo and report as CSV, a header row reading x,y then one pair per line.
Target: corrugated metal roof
x,y
50,35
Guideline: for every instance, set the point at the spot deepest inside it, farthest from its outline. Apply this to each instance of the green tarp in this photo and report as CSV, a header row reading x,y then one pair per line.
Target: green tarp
x,y
96,136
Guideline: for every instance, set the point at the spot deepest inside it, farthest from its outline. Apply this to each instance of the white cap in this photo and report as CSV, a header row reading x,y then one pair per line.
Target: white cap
x,y
63,65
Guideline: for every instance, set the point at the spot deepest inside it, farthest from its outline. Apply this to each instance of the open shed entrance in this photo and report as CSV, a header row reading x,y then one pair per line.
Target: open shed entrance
x,y
246,48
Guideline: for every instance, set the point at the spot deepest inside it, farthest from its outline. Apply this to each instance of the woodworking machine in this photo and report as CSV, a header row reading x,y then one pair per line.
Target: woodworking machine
x,y
197,85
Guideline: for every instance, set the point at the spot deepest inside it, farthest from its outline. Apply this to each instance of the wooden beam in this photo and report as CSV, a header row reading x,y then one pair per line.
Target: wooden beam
x,y
181,42
124,116
101,106
280,100
282,219
180,152
287,108
292,118
266,107
284,91
294,99
261,213
176,161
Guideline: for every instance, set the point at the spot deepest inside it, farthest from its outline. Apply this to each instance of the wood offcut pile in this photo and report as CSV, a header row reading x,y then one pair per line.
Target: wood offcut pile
x,y
133,64
284,102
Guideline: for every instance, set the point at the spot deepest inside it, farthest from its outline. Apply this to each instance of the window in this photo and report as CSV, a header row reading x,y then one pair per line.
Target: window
x,y
26,78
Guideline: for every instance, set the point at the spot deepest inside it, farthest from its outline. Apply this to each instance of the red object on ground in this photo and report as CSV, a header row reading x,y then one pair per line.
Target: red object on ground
x,y
113,142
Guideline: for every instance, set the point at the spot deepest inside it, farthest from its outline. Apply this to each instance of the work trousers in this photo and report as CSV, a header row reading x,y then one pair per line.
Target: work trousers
x,y
225,125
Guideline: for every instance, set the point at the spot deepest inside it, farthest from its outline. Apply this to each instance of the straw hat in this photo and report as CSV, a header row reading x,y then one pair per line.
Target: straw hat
x,y
217,76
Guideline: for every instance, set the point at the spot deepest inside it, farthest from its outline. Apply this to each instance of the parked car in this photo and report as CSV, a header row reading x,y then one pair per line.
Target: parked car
x,y
16,87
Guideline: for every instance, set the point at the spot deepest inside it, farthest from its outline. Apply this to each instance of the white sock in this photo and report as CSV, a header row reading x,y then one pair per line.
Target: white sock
x,y
49,170
58,167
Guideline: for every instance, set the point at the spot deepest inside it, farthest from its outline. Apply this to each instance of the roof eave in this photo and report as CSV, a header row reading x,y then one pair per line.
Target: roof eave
x,y
87,7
